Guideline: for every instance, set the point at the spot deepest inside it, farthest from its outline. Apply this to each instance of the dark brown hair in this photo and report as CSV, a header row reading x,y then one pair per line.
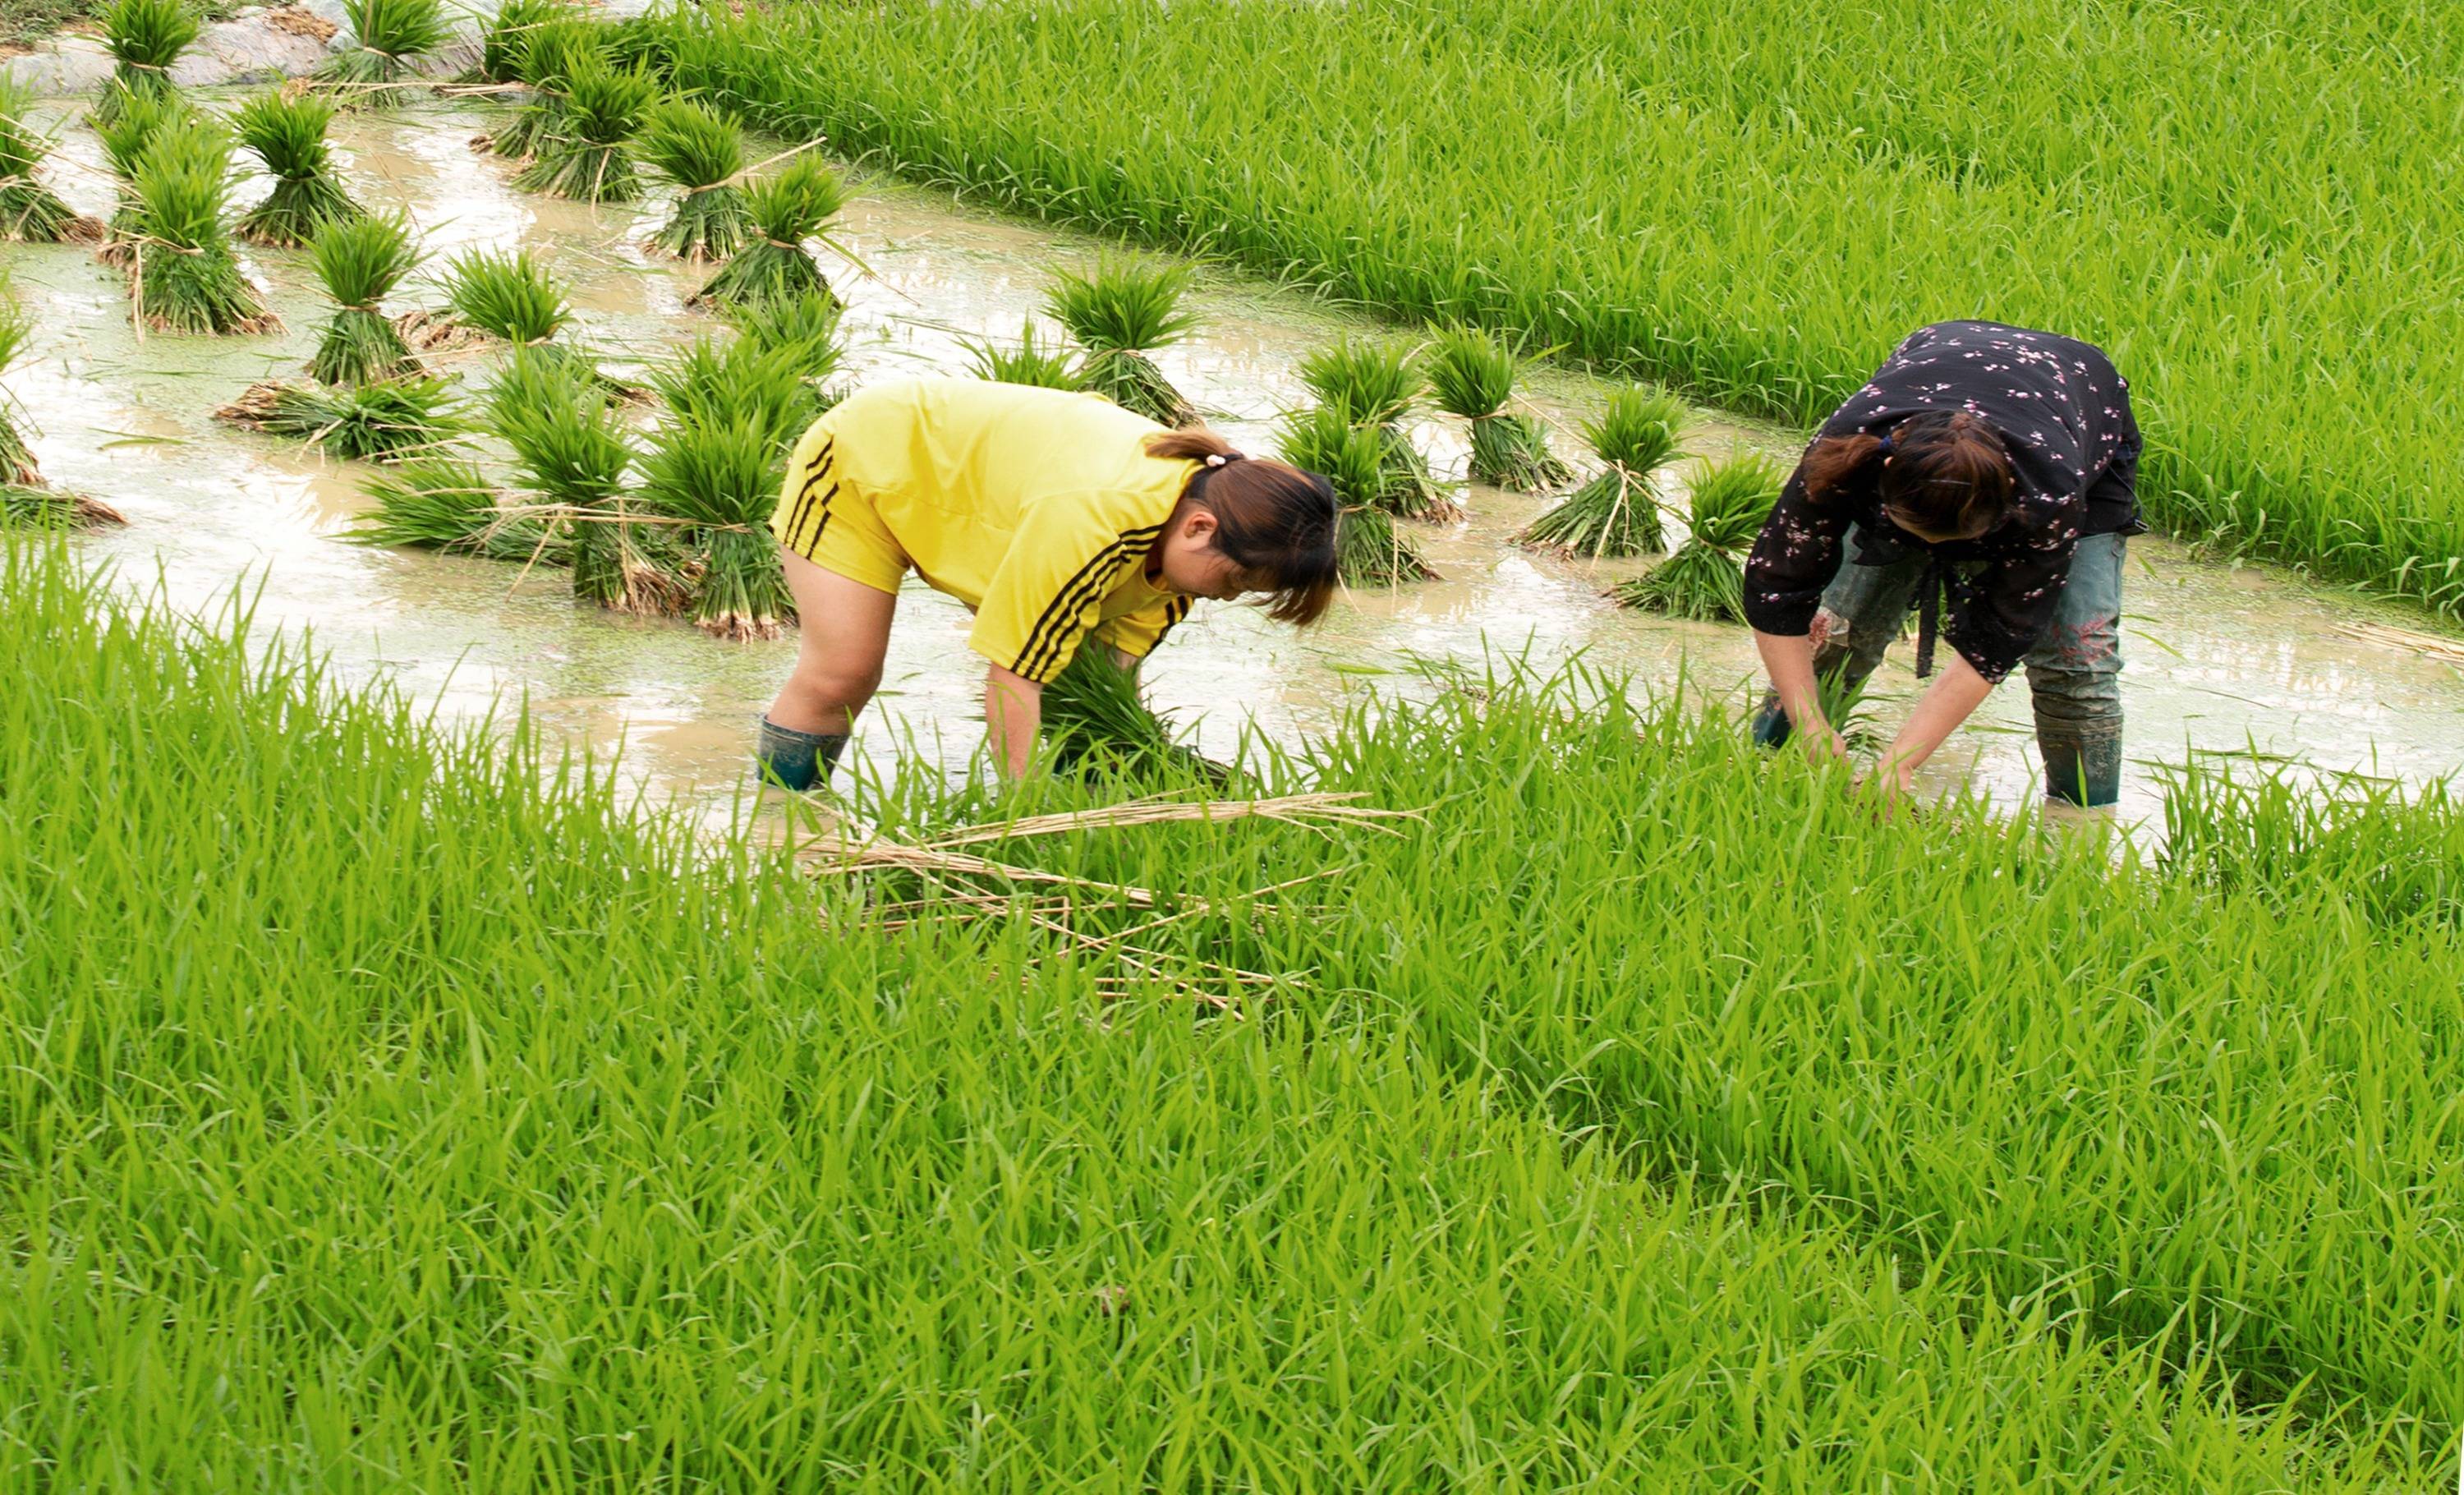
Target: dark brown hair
x,y
1272,520
1948,474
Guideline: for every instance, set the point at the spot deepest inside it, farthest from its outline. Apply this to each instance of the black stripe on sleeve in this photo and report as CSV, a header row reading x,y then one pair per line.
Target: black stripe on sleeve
x,y
1052,626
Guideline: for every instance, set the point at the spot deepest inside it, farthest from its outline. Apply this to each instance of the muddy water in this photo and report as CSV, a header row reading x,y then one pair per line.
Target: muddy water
x,y
2222,660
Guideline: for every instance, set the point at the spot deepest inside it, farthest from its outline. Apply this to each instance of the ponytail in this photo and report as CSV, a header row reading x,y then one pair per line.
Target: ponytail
x,y
1941,476
1833,462
1272,519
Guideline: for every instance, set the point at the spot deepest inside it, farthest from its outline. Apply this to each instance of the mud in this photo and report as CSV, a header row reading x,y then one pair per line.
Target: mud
x,y
2222,660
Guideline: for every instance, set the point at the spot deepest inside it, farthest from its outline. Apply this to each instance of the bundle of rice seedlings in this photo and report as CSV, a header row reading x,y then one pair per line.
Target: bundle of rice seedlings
x,y
1120,312
722,476
444,503
739,382
688,143
361,260
287,132
126,137
1368,550
571,452
507,33
1616,513
184,272
546,57
791,205
393,35
586,160
1026,361
28,210
1472,375
1097,724
805,325
1705,579
144,37
507,296
26,496
1375,384
388,421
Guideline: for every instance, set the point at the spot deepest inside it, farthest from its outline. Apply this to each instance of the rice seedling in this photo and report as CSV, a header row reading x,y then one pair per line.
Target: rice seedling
x,y
701,151
721,476
447,503
1368,550
144,37
287,131
572,454
508,296
508,32
393,35
1472,375
1375,384
805,325
1097,724
586,159
184,274
1120,312
788,206
1617,512
718,382
31,211
1028,361
390,421
549,52
360,261
126,136
1705,579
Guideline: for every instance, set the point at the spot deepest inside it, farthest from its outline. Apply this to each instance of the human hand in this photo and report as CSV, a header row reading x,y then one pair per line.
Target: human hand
x,y
1823,744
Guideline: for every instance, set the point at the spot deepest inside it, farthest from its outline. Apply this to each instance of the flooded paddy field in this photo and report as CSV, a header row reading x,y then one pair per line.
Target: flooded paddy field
x,y
2223,660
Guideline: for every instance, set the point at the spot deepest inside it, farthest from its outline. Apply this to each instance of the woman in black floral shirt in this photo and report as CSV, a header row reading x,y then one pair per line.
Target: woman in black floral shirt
x,y
1988,465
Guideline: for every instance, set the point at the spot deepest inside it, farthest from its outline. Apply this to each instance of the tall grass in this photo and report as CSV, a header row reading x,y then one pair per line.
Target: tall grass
x,y
390,1104
2249,227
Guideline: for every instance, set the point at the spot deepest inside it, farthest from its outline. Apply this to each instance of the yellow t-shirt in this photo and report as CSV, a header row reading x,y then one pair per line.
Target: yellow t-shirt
x,y
1037,507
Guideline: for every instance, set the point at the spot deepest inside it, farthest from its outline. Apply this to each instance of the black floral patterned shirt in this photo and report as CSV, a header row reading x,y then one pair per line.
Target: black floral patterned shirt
x,y
2064,413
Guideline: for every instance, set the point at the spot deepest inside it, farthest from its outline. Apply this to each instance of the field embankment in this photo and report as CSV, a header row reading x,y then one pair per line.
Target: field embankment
x,y
389,1108
2251,209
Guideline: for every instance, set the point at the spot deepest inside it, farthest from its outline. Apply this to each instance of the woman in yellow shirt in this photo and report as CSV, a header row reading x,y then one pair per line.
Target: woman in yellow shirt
x,y
1057,518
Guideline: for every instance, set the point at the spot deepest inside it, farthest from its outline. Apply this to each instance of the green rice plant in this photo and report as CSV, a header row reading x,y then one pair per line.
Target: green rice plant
x,y
509,296
1472,375
508,32
538,995
126,136
549,52
1098,725
184,272
447,503
1705,579
1028,361
701,151
393,35
361,260
739,382
586,160
788,206
1120,310
1617,512
805,325
1375,383
721,477
287,131
572,456
144,37
31,211
1368,550
390,421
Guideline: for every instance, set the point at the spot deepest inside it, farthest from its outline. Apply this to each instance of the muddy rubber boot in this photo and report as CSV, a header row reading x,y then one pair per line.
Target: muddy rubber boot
x,y
1771,726
796,762
2084,773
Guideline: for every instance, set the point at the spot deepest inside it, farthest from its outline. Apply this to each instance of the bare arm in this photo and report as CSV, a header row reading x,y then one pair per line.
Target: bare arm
x,y
1953,696
1788,660
1013,715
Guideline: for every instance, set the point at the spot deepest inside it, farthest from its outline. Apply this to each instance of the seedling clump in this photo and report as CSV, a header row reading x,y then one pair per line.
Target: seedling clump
x,y
507,33
1368,550
144,37
509,298
287,132
701,151
1099,726
549,52
31,211
586,160
1375,384
385,422
393,35
720,473
361,260
1472,375
1029,361
1617,513
571,452
788,206
184,274
803,326
1705,579
1120,312
445,503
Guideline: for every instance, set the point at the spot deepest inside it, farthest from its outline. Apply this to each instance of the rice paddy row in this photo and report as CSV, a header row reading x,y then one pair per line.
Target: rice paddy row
x,y
393,1108
1806,202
